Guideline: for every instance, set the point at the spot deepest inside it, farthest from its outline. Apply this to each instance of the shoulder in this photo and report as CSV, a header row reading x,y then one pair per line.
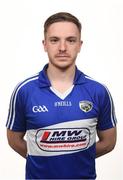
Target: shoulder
x,y
28,83
91,85
95,86
94,83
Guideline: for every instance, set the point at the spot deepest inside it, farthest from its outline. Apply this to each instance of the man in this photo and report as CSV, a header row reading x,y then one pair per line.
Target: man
x,y
61,110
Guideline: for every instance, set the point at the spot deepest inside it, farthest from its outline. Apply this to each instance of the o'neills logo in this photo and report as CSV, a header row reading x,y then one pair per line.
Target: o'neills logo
x,y
63,139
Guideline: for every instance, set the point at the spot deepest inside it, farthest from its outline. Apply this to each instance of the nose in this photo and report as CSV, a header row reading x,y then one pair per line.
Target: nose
x,y
62,46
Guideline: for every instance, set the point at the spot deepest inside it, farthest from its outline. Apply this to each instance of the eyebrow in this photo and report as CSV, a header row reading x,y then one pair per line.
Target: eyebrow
x,y
53,37
69,37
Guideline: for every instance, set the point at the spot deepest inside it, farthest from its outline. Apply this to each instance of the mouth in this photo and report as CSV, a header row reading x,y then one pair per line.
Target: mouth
x,y
62,56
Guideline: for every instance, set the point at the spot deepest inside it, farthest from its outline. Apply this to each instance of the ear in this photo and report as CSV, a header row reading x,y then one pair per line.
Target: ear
x,y
44,44
81,42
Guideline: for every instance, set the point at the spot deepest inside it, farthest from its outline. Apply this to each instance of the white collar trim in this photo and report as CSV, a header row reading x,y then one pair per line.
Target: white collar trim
x,y
62,95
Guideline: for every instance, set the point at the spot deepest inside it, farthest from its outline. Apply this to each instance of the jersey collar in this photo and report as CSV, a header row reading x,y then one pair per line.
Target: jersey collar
x,y
44,81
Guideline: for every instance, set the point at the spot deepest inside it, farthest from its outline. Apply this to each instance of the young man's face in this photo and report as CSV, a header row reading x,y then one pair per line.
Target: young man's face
x,y
62,44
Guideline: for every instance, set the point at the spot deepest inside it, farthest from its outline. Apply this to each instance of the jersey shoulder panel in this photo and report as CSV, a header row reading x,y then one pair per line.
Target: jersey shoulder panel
x,y
17,102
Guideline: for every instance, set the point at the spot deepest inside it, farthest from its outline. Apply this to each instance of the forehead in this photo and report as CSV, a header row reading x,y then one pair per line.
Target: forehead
x,y
63,28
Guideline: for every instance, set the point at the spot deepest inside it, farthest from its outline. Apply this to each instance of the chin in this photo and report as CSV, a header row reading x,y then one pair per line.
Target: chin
x,y
63,65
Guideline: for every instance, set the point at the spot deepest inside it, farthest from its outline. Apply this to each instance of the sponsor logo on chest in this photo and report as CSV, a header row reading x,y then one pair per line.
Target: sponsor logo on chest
x,y
63,139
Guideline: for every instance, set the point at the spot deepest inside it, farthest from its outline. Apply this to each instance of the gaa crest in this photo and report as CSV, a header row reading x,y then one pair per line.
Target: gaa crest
x,y
86,106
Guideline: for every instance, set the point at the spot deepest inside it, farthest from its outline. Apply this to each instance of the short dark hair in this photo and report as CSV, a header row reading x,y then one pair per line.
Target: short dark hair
x,y
61,17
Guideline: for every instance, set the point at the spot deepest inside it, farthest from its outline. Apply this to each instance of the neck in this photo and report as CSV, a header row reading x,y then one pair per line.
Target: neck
x,y
61,79
57,74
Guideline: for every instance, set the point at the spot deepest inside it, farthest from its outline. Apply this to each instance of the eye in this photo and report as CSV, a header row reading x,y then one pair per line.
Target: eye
x,y
71,40
54,40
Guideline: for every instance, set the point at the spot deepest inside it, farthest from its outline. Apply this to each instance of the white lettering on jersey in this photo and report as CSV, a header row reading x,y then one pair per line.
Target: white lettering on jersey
x,y
37,109
62,103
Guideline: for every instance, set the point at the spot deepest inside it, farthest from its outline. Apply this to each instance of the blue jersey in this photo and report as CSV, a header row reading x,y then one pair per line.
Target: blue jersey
x,y
60,128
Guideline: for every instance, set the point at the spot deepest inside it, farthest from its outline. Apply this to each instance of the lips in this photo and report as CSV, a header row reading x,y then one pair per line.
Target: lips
x,y
62,56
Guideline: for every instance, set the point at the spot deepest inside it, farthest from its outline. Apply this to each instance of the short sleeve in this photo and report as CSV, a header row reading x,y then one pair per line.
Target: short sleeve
x,y
107,117
16,119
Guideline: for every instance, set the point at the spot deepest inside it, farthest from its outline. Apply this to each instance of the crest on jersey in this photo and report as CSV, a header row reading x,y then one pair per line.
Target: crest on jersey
x,y
86,106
